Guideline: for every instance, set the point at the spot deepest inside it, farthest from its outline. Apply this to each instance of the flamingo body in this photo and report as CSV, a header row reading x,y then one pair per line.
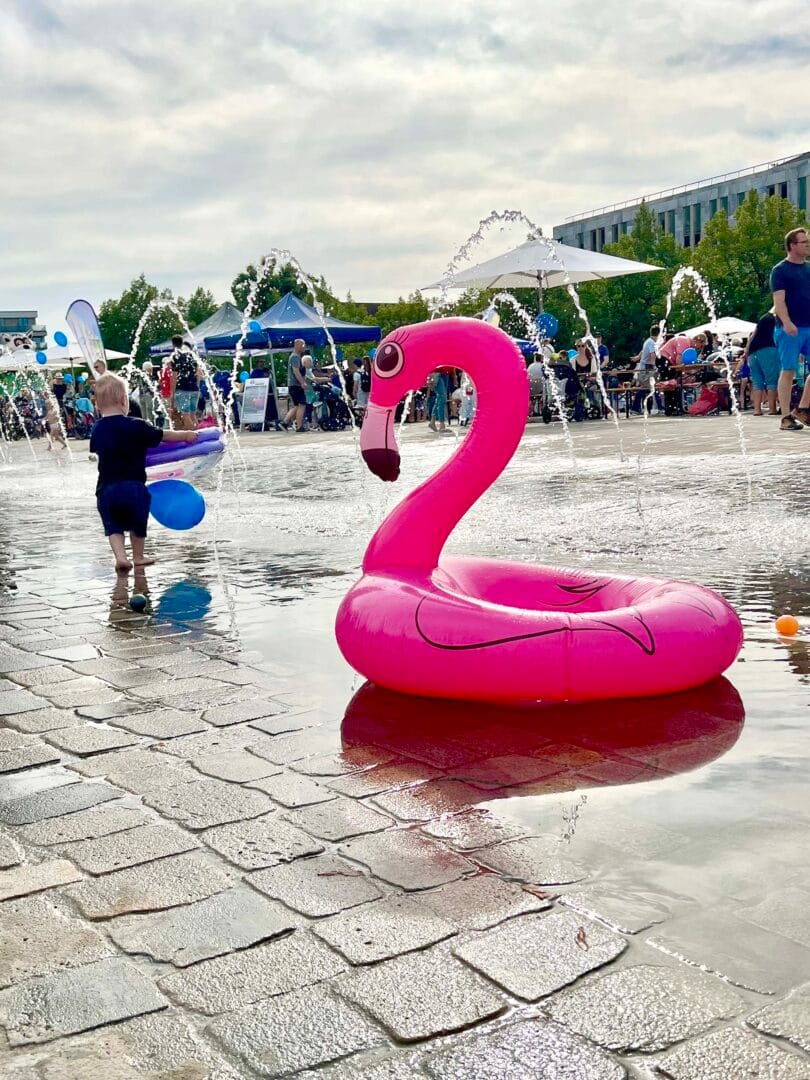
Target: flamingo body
x,y
489,630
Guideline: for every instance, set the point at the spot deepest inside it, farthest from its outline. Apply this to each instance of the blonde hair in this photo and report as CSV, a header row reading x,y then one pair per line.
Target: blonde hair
x,y
111,390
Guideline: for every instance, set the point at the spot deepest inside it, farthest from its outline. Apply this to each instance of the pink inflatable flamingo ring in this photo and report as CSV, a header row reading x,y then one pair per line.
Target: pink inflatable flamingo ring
x,y
488,630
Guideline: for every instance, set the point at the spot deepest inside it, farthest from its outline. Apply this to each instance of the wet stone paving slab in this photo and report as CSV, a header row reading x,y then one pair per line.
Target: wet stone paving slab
x,y
221,857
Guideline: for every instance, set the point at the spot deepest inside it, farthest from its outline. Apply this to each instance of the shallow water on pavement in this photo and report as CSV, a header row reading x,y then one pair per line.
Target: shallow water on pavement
x,y
678,807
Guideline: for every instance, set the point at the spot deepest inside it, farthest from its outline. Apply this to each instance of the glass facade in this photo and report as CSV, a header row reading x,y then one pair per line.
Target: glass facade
x,y
785,179
16,324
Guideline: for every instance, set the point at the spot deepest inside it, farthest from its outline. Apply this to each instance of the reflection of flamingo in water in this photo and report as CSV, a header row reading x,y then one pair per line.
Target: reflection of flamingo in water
x,y
489,630
539,749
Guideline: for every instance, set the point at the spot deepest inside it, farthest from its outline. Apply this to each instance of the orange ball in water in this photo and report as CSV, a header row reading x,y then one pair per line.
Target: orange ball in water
x,y
787,625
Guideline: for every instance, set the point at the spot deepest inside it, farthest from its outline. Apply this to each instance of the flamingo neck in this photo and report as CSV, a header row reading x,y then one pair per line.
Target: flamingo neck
x,y
414,533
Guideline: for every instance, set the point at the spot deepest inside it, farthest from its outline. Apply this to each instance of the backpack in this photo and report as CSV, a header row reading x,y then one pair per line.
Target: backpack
x,y
365,381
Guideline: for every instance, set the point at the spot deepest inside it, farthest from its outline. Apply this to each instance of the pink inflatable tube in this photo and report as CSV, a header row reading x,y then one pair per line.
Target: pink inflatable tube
x,y
486,630
181,451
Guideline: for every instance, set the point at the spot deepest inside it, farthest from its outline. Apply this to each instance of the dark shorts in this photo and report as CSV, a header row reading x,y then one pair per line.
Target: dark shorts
x,y
124,507
297,395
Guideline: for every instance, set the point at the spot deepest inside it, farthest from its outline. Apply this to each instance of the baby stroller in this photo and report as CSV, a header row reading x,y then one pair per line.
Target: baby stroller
x,y
330,410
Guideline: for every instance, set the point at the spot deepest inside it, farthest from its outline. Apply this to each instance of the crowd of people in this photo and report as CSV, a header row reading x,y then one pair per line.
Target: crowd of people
x,y
671,375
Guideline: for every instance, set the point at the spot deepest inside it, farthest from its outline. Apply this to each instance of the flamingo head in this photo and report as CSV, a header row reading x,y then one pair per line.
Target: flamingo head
x,y
402,363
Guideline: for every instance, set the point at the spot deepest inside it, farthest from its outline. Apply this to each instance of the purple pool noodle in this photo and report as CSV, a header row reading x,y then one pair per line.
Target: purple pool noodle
x,y
181,451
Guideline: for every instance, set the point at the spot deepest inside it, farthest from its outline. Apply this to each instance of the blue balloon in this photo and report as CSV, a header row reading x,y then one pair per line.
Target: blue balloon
x,y
69,377
372,353
254,326
41,358
176,504
547,324
690,356
243,376
60,338
572,354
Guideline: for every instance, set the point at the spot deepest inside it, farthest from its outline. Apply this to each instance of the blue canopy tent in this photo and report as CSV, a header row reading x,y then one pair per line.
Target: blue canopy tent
x,y
227,318
289,319
528,348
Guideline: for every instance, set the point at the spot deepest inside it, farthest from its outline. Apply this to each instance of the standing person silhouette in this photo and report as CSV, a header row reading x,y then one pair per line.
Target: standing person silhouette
x,y
790,284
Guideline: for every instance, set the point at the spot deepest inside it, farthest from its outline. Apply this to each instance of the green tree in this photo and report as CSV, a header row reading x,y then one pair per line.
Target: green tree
x,y
623,308
279,280
199,306
118,319
736,259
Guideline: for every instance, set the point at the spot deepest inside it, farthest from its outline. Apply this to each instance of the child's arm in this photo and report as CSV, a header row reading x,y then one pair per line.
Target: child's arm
x,y
179,436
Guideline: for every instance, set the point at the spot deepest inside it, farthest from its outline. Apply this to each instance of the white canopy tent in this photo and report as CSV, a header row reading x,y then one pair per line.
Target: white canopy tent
x,y
59,357
543,264
728,326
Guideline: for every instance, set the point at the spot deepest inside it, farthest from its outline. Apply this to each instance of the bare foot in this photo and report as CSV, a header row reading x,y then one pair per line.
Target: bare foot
x,y
123,566
144,562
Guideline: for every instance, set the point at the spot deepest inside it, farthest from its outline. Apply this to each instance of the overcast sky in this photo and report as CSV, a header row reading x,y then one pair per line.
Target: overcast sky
x,y
185,138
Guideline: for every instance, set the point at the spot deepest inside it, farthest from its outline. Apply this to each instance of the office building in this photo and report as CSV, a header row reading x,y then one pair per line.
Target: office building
x,y
683,211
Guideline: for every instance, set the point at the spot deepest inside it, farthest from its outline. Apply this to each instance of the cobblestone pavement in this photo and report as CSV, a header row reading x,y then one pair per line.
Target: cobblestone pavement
x,y
207,870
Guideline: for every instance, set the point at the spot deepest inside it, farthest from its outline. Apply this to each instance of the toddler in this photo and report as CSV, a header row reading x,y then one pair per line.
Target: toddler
x,y
121,442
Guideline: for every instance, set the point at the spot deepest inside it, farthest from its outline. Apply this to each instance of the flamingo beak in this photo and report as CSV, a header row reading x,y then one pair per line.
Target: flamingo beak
x,y
378,443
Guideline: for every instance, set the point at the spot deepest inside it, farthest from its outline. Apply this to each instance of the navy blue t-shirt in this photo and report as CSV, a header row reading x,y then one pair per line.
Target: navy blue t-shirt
x,y
121,443
794,278
762,337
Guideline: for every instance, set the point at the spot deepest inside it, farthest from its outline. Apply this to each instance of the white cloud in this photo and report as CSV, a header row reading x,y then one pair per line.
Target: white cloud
x,y
186,138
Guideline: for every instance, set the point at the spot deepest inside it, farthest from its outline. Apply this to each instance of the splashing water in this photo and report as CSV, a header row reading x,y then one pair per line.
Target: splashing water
x,y
590,341
646,443
537,341
40,383
284,257
20,420
688,273
495,217
221,411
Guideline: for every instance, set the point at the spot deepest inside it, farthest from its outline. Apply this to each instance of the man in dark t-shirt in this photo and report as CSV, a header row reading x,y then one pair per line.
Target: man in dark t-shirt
x,y
790,284
121,442
185,382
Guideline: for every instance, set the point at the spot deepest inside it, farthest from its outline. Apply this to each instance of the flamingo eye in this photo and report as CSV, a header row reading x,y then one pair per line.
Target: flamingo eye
x,y
388,360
